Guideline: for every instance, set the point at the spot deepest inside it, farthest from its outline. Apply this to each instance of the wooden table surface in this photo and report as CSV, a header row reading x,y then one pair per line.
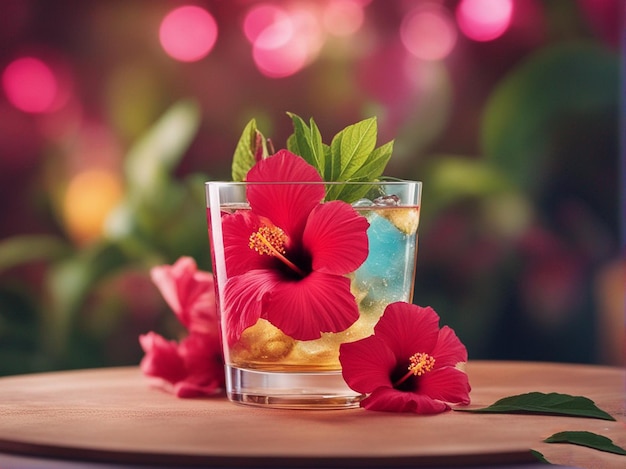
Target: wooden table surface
x,y
113,415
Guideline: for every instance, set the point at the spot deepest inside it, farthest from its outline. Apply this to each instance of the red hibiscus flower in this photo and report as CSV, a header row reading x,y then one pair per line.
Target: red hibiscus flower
x,y
288,256
409,364
193,367
190,293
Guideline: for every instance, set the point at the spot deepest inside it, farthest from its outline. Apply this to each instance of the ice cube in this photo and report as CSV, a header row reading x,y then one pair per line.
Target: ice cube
x,y
387,271
363,203
387,200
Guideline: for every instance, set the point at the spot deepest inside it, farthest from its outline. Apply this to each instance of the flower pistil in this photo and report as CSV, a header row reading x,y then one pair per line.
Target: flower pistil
x,y
421,363
270,240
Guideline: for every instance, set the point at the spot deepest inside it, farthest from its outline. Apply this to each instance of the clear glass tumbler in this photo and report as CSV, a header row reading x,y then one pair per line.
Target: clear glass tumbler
x,y
264,365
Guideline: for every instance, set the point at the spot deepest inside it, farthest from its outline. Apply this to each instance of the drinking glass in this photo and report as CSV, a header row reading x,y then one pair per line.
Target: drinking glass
x,y
265,366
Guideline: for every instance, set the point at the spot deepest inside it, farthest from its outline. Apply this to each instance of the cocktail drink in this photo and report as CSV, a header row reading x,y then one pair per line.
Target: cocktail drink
x,y
264,364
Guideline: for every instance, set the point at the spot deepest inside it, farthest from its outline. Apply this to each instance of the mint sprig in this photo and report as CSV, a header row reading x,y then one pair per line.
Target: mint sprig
x,y
352,155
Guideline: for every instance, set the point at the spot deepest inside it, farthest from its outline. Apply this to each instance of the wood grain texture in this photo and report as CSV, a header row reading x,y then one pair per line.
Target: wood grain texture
x,y
114,415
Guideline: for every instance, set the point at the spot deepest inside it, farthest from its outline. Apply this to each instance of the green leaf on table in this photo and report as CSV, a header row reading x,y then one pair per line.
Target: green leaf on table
x,y
540,457
588,439
545,404
250,148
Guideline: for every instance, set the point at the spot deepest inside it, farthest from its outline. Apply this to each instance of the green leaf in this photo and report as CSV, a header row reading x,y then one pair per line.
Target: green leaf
x,y
349,193
150,161
351,148
23,249
545,404
152,187
250,148
70,282
540,457
455,178
307,142
352,155
375,164
371,171
588,439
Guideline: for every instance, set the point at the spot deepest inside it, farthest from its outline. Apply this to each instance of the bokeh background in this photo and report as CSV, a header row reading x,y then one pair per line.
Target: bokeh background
x,y
113,113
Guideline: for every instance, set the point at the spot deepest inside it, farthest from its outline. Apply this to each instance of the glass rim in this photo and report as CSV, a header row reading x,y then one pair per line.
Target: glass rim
x,y
394,182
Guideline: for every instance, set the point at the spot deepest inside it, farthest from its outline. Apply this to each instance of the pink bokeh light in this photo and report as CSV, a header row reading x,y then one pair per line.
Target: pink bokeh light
x,y
277,52
428,32
30,85
188,33
261,17
343,17
286,46
484,20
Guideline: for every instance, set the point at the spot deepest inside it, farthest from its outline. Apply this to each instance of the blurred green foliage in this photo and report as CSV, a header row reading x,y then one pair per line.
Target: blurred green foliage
x,y
515,239
559,83
160,219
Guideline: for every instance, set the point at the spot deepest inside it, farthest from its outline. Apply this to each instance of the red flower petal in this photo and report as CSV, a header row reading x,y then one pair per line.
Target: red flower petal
x,y
284,166
203,361
176,284
161,359
189,292
236,231
336,235
446,384
366,364
392,400
192,368
286,205
305,308
408,329
186,389
165,277
202,356
243,300
203,313
449,350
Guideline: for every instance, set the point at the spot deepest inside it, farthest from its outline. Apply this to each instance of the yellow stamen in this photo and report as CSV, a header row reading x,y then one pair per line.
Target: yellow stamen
x,y
421,363
270,241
